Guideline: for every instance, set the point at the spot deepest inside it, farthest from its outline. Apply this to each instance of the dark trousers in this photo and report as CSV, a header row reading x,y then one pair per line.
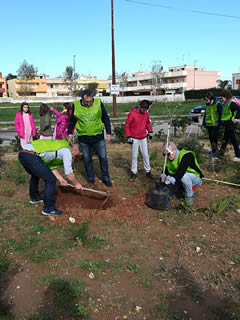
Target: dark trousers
x,y
229,134
38,169
212,133
100,148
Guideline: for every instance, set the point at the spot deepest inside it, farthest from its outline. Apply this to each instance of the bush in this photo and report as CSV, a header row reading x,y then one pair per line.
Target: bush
x,y
118,134
199,94
193,145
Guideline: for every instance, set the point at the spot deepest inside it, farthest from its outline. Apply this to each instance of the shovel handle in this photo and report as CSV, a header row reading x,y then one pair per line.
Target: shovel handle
x,y
91,190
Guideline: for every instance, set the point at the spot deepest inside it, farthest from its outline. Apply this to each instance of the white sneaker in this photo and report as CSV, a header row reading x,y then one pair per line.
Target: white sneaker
x,y
235,159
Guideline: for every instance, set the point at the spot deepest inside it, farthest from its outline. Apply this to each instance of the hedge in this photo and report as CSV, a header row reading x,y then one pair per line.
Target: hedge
x,y
199,94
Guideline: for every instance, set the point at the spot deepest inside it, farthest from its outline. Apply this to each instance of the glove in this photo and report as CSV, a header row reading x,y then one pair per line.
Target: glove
x,y
130,140
150,135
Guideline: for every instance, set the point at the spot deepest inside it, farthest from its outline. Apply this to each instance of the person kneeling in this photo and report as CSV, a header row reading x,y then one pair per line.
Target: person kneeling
x,y
181,166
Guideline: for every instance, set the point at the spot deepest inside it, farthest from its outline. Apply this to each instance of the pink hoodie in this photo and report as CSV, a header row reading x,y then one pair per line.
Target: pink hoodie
x,y
19,124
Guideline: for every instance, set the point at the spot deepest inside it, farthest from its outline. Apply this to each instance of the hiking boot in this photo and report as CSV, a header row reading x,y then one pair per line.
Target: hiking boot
x,y
235,159
52,212
149,175
107,183
33,201
133,177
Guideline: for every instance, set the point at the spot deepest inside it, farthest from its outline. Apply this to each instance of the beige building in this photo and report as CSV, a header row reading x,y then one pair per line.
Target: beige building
x,y
32,88
59,87
3,86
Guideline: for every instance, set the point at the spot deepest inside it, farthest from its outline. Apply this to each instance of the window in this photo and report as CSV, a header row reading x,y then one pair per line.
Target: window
x,y
238,81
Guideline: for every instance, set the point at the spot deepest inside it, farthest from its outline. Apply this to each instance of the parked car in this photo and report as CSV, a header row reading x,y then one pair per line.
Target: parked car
x,y
196,111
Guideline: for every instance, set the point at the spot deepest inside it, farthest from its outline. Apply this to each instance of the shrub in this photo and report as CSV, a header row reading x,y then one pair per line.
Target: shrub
x,y
193,145
118,134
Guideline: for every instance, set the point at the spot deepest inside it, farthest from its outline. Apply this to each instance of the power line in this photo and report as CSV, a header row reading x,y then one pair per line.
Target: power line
x,y
182,9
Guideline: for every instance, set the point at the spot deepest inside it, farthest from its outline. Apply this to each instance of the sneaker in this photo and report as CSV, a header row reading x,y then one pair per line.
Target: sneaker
x,y
209,153
235,159
52,212
149,175
190,200
36,201
133,177
107,183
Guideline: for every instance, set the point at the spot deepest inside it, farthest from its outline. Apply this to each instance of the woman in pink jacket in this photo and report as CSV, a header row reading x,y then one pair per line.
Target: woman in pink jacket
x,y
60,130
24,124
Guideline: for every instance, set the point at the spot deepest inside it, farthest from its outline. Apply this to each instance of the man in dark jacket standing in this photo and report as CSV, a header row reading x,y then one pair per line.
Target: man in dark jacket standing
x,y
136,129
90,118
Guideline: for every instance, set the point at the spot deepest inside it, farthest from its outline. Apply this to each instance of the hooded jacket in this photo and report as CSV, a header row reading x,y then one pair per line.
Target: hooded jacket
x,y
19,124
137,124
61,124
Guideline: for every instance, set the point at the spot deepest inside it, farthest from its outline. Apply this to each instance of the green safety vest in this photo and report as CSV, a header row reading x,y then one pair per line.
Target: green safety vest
x,y
227,113
89,119
173,165
212,115
41,146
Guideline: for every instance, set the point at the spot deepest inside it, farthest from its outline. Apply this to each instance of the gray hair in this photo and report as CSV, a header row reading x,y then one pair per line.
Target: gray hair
x,y
171,145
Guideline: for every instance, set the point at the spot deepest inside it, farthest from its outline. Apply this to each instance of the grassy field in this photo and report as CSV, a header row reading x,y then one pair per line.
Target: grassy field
x,y
122,109
127,261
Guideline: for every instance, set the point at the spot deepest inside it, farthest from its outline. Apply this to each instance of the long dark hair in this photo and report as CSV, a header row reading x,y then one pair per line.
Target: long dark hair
x,y
25,104
67,106
44,109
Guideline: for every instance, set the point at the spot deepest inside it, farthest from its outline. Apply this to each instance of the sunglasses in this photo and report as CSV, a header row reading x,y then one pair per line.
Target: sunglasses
x,y
166,154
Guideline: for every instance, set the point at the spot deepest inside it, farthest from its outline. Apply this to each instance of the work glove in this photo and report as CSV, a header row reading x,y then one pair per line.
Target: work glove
x,y
150,135
130,140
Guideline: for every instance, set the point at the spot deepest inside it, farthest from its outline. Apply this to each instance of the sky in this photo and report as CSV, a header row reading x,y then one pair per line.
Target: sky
x,y
48,34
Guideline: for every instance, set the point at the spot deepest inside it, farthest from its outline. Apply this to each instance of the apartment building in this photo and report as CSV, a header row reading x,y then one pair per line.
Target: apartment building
x,y
3,86
236,81
36,87
175,80
59,87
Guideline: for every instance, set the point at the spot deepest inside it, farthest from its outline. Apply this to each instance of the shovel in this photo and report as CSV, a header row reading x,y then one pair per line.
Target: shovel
x,y
95,191
91,190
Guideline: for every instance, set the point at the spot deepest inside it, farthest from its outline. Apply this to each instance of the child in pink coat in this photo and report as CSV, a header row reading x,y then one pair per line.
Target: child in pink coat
x,y
24,124
60,130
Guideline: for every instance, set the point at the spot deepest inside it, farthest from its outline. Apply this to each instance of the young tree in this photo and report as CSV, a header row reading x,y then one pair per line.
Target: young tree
x,y
26,72
70,79
11,76
157,75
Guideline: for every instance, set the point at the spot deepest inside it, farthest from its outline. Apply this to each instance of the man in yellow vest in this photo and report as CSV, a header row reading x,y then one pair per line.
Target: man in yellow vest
x,y
41,158
181,166
90,118
230,114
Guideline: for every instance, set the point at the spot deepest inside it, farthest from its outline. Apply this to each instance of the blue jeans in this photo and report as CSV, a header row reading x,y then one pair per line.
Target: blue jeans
x,y
100,148
38,169
190,180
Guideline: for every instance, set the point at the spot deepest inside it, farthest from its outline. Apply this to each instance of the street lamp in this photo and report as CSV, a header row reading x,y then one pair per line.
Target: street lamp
x,y
73,76
113,64
194,74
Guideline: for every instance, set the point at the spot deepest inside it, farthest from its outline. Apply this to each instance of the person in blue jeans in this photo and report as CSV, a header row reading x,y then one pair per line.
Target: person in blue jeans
x,y
90,117
182,166
40,159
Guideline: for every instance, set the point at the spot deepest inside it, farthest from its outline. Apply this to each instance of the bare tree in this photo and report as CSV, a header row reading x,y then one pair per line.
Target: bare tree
x,y
123,82
157,75
26,72
70,79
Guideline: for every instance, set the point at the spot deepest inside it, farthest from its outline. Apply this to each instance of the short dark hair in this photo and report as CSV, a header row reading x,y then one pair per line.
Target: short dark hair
x,y
226,94
24,104
87,92
209,95
145,104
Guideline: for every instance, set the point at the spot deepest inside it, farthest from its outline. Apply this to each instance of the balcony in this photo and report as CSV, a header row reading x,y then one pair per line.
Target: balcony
x,y
175,85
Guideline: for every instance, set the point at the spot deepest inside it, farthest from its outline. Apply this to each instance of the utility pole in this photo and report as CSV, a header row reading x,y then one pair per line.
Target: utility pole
x,y
194,74
113,64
